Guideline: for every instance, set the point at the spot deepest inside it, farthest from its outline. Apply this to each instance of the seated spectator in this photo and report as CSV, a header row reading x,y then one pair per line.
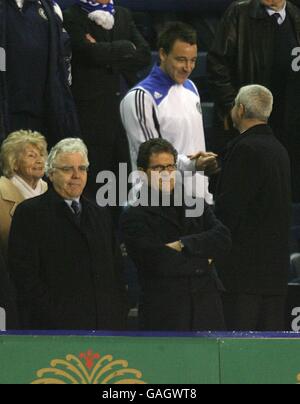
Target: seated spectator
x,y
22,159
174,254
63,256
254,201
7,298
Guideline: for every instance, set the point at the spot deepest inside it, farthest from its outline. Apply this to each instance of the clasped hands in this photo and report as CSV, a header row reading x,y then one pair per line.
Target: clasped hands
x,y
206,162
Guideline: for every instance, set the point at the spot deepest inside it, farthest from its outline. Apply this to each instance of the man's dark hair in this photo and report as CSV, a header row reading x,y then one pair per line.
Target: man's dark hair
x,y
154,146
176,31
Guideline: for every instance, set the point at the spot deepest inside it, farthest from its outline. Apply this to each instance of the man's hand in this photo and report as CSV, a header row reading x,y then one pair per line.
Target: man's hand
x,y
177,246
206,162
90,39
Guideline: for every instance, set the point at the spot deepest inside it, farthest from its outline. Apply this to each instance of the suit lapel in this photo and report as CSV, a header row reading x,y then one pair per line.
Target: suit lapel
x,y
61,208
295,19
113,32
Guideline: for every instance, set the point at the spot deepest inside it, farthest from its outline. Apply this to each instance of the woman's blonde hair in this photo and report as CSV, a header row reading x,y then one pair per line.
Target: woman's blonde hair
x,y
15,144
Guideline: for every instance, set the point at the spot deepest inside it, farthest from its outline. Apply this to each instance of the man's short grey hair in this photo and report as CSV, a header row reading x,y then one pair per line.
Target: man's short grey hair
x,y
70,145
257,100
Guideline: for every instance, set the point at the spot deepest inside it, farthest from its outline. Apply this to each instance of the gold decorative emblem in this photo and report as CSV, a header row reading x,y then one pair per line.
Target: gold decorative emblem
x,y
89,368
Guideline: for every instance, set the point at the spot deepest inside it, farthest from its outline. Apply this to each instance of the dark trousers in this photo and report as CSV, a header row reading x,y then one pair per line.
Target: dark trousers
x,y
204,312
254,313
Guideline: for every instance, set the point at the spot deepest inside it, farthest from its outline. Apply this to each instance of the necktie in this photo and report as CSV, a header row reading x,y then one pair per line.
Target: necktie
x,y
277,17
76,209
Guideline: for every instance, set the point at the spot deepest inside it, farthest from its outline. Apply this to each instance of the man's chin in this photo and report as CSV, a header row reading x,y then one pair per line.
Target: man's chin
x,y
181,81
74,195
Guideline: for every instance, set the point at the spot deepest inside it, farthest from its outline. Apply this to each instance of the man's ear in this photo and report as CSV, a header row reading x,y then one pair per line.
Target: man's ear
x,y
50,176
242,110
16,167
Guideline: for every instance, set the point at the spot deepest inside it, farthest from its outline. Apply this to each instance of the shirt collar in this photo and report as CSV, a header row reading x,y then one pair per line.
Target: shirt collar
x,y
282,14
20,3
157,71
70,201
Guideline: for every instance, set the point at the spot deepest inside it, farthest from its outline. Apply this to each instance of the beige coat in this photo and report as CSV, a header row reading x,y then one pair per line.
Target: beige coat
x,y
10,198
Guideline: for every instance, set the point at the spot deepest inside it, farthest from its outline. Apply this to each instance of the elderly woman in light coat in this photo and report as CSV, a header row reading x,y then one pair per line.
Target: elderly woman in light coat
x,y
22,160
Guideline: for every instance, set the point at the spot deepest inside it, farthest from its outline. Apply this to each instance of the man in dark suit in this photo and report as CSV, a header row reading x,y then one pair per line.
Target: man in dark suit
x,y
8,317
254,200
63,255
174,253
108,51
258,43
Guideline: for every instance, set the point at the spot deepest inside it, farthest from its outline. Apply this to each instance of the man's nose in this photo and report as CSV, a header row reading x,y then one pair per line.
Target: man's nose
x,y
76,173
189,67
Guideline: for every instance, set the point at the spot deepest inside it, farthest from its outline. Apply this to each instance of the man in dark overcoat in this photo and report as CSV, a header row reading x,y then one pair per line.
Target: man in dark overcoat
x,y
63,255
174,253
254,201
258,42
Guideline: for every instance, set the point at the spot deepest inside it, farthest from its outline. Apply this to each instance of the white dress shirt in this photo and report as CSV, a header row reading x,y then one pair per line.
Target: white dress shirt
x,y
20,3
70,201
282,14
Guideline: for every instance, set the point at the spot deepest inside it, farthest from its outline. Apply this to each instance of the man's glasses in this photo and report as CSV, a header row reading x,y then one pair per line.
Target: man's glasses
x,y
160,168
70,170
